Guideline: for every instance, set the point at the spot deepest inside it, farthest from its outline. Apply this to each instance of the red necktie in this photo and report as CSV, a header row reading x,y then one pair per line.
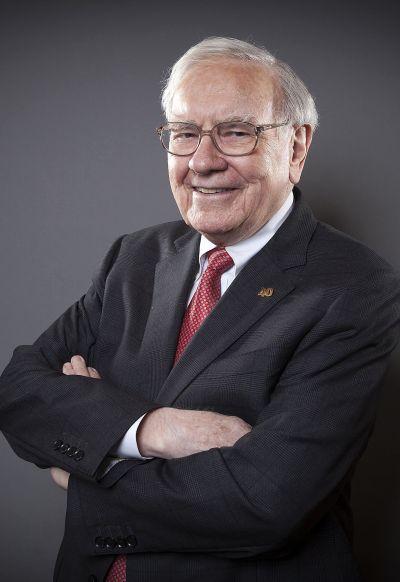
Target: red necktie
x,y
117,572
203,302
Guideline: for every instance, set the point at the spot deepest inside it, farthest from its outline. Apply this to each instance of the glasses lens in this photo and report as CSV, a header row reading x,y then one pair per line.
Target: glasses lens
x,y
180,138
235,138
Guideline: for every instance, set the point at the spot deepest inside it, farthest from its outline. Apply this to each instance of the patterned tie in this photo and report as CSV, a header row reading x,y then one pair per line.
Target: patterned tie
x,y
203,302
117,572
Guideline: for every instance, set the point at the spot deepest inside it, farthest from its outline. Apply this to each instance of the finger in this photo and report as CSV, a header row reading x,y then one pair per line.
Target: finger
x,y
68,369
94,373
79,366
60,477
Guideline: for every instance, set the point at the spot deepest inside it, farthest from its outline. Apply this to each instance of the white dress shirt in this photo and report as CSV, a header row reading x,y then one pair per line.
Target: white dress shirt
x,y
241,253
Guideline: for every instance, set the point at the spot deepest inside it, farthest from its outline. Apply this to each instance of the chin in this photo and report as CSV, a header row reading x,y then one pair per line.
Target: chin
x,y
210,229
214,224
219,235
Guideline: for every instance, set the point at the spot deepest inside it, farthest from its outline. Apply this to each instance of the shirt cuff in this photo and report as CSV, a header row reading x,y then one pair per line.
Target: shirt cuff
x,y
128,448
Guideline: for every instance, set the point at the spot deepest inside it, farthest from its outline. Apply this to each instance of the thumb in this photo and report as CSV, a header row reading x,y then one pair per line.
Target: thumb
x,y
93,373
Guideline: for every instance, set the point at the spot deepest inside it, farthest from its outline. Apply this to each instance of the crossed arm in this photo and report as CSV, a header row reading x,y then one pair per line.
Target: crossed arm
x,y
276,481
168,433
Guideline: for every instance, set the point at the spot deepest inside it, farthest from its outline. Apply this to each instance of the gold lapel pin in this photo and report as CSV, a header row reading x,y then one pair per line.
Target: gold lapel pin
x,y
265,292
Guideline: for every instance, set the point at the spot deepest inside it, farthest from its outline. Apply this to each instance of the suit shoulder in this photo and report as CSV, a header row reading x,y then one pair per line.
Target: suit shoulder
x,y
350,275
154,241
338,265
343,251
164,231
147,245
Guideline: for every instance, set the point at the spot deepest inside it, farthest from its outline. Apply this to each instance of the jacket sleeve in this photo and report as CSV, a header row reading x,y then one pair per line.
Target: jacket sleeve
x,y
70,422
277,481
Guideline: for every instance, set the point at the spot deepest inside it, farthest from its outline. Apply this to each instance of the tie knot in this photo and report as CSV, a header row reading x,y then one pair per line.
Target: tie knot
x,y
219,260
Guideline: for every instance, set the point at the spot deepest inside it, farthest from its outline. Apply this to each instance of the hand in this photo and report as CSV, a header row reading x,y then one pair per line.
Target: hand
x,y
76,367
171,433
60,477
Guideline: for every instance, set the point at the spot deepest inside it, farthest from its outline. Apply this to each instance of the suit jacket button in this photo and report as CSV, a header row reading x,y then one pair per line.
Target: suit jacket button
x,y
131,541
64,448
71,451
57,444
100,543
92,578
110,543
78,455
121,542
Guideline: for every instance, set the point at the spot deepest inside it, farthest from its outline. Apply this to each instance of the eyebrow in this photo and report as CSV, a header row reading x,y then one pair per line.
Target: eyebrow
x,y
248,117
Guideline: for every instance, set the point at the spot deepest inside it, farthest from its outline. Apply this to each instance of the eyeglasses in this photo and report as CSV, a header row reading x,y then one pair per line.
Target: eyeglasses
x,y
232,138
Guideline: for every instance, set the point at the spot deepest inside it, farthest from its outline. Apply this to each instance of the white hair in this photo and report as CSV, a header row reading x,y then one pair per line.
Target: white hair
x,y
295,104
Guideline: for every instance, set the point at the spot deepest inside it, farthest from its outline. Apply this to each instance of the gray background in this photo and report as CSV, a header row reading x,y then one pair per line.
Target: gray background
x,y
80,164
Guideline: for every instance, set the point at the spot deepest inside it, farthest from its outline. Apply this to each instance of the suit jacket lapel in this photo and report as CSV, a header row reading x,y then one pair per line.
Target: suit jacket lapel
x,y
241,306
173,280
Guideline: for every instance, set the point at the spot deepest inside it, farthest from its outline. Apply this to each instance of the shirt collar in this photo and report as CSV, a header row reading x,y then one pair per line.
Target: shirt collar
x,y
244,250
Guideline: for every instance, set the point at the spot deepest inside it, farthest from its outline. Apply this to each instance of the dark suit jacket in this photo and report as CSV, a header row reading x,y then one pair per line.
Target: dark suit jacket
x,y
302,366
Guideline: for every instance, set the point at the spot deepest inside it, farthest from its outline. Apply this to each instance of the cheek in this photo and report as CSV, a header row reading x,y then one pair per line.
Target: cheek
x,y
255,173
177,173
178,169
271,168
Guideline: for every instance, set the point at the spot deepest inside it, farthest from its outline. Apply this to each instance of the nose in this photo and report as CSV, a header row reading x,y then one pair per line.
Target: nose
x,y
207,158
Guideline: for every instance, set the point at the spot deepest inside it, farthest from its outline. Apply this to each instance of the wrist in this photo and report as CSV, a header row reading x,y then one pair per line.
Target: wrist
x,y
150,434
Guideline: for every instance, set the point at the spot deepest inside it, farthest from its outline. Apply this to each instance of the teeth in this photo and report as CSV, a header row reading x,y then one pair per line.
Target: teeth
x,y
212,190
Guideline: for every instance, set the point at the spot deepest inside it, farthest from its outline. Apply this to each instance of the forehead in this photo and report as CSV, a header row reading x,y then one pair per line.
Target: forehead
x,y
224,89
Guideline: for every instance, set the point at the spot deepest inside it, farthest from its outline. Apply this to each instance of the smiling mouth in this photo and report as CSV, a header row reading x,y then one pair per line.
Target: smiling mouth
x,y
212,190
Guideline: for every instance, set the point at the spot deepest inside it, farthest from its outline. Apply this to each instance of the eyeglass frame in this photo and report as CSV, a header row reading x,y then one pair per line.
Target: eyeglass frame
x,y
257,128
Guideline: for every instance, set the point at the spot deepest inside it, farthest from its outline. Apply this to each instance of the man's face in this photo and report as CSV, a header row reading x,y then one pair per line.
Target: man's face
x,y
250,189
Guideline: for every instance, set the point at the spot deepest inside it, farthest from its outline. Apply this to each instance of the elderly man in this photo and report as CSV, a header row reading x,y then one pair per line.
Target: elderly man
x,y
211,393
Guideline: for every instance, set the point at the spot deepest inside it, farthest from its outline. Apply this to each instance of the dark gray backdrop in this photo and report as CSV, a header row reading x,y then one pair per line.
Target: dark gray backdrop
x,y
80,164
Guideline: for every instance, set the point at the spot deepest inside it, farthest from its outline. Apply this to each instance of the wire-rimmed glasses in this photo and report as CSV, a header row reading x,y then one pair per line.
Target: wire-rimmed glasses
x,y
231,138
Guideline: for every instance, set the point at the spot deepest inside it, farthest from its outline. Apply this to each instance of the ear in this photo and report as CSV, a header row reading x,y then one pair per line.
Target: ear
x,y
299,145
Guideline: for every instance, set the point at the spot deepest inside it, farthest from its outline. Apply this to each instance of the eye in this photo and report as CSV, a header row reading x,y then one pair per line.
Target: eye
x,y
182,136
235,131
